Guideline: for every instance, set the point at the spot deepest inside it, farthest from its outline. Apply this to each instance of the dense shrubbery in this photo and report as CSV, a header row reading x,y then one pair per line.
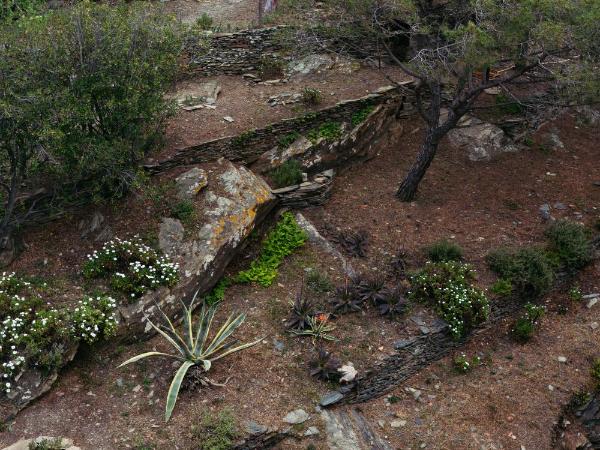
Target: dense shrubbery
x,y
34,334
133,268
569,244
286,237
444,251
529,270
288,174
82,100
447,285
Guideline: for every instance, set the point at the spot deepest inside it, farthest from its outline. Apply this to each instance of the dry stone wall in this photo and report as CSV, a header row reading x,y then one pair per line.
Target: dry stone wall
x,y
249,146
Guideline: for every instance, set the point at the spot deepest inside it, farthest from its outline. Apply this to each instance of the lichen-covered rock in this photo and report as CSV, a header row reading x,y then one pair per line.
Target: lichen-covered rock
x,y
31,384
482,141
190,183
233,205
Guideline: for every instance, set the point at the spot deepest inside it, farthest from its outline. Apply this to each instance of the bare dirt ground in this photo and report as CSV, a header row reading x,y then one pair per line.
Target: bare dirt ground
x,y
507,403
247,102
228,15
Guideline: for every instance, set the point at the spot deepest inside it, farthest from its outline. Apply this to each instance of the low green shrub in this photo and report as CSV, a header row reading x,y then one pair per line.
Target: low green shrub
x,y
329,131
271,67
360,116
217,294
447,286
463,364
529,270
319,282
204,22
502,287
287,174
133,268
46,444
575,293
33,333
184,210
286,237
288,139
526,325
216,432
311,96
444,251
569,243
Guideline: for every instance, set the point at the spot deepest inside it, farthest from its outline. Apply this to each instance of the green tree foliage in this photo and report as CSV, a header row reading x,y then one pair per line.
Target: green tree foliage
x,y
81,100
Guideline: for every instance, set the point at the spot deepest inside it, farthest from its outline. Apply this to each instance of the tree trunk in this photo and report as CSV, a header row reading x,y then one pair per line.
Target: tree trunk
x,y
408,187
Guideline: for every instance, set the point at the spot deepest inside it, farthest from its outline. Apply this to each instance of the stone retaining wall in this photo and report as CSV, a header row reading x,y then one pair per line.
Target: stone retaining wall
x,y
243,51
249,146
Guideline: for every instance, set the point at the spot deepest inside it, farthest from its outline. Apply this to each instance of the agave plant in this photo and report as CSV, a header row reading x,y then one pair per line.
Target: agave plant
x,y
318,328
325,366
346,299
303,309
372,290
193,346
393,304
354,242
398,263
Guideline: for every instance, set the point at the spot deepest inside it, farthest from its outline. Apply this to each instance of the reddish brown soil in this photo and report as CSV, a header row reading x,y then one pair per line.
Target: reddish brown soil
x,y
246,103
480,205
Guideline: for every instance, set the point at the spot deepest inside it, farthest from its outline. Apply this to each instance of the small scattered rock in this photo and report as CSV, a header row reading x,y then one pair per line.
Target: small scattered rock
x,y
295,417
592,302
311,431
228,119
279,346
545,212
398,423
255,428
562,359
330,398
416,393
594,325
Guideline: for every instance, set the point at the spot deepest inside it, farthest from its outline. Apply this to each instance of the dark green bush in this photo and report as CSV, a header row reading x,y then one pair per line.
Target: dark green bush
x,y
311,96
288,139
329,131
204,22
502,287
319,282
444,251
184,210
529,270
569,243
289,173
525,326
448,287
94,77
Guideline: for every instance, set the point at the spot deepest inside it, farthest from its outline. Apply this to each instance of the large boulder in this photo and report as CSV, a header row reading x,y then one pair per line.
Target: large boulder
x,y
482,141
229,208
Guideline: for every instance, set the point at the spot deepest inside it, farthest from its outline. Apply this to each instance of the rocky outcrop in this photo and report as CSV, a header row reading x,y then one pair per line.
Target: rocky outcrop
x,y
31,384
43,442
248,147
482,141
310,193
229,208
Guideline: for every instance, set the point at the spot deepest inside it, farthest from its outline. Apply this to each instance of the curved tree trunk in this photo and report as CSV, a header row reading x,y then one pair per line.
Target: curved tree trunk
x,y
408,187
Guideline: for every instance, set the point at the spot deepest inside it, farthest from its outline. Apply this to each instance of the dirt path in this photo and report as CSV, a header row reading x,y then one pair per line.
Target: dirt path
x,y
226,14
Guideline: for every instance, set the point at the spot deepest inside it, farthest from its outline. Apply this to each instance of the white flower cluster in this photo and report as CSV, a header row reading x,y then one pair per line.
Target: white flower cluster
x,y
27,324
447,284
135,267
94,317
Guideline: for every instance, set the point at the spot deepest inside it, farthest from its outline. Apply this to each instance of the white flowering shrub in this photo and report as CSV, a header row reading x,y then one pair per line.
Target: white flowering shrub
x,y
132,267
35,334
463,364
447,286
